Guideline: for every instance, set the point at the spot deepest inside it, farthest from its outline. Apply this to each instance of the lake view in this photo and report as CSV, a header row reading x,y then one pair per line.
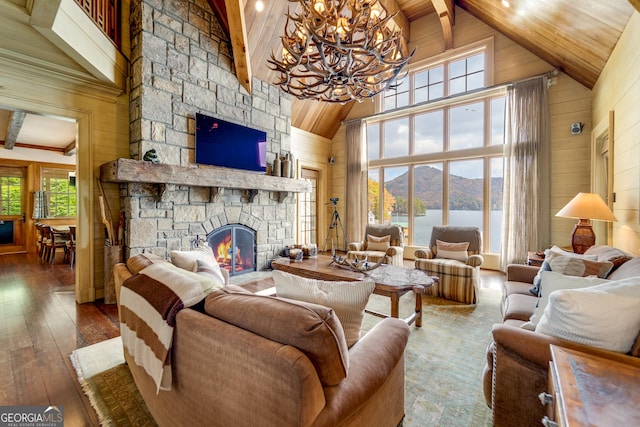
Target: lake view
x,y
424,224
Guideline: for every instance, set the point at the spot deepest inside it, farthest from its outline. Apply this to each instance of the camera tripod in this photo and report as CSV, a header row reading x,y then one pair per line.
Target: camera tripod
x,y
334,224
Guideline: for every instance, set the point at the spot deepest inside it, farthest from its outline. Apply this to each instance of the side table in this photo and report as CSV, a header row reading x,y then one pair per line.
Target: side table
x,y
588,390
535,258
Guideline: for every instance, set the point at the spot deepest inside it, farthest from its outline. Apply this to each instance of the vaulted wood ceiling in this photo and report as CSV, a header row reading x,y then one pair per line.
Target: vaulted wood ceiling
x,y
574,36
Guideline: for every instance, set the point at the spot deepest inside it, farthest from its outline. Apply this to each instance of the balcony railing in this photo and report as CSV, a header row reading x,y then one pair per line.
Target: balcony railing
x,y
106,15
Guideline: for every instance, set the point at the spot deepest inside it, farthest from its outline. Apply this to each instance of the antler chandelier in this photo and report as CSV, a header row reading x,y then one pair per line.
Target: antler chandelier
x,y
339,50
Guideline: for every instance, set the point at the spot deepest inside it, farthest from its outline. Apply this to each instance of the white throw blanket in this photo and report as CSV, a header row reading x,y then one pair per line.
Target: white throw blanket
x,y
149,304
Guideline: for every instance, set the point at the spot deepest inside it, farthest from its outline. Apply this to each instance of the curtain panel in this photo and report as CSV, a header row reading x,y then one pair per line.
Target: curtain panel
x,y
356,181
40,205
526,204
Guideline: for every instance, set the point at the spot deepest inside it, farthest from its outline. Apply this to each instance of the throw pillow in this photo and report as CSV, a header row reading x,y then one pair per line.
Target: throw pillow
x,y
630,268
553,281
347,299
205,269
375,243
140,261
313,329
617,262
188,260
605,316
545,265
452,250
574,266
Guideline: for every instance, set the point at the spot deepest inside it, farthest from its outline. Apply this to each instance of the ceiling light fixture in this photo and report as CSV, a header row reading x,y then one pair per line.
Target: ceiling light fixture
x,y
340,50
259,6
506,3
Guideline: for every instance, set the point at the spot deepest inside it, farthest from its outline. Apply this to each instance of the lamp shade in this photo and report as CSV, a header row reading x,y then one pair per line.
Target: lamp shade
x,y
587,206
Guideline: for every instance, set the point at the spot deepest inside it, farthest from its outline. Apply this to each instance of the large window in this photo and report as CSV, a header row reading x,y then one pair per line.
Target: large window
x,y
435,151
61,192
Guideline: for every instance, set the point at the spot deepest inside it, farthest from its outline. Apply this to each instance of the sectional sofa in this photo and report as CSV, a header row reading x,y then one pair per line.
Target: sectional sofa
x,y
517,364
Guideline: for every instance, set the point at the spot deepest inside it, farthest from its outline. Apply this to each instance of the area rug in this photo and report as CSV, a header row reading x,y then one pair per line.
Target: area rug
x,y
444,363
108,384
445,359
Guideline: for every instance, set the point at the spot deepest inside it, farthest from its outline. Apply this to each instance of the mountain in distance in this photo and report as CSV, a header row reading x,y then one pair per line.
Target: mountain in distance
x,y
464,193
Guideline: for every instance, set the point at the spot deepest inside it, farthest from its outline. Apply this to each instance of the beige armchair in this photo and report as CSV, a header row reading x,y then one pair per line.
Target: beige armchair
x,y
457,269
381,240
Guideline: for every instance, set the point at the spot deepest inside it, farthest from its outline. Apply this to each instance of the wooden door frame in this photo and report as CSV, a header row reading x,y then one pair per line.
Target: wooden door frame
x,y
605,128
24,192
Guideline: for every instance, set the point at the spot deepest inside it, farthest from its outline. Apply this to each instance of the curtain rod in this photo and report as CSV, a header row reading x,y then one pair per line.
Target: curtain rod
x,y
398,111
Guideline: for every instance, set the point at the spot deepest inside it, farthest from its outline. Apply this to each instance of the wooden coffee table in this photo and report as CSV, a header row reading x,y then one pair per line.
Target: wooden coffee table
x,y
391,281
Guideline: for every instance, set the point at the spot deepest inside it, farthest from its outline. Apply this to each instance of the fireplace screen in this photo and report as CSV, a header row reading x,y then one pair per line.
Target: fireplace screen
x,y
235,248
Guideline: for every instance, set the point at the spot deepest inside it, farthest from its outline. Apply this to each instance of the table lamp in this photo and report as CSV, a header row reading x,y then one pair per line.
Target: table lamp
x,y
585,207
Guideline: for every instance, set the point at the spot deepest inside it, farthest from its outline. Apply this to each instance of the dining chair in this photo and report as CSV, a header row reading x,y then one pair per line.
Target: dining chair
x,y
39,244
71,246
53,241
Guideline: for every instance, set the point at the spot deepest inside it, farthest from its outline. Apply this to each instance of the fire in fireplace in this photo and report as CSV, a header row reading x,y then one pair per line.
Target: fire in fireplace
x,y
234,246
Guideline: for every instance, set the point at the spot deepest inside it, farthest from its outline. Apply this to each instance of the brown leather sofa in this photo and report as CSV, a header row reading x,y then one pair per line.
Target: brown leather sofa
x,y
229,370
517,366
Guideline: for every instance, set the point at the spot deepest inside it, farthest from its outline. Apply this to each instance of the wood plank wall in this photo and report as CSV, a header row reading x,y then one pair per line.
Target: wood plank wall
x,y
569,102
618,90
313,152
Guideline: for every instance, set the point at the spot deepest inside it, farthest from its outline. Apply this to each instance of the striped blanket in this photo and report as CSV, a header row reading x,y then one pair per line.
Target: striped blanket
x,y
149,303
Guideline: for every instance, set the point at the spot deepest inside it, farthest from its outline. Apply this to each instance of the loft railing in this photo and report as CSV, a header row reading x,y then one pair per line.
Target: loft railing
x,y
105,13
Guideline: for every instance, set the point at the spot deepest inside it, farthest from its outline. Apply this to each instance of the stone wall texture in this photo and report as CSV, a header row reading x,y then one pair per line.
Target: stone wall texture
x,y
182,64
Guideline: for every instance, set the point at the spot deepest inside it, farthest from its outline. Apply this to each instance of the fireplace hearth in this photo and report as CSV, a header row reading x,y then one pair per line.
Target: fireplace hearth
x,y
234,247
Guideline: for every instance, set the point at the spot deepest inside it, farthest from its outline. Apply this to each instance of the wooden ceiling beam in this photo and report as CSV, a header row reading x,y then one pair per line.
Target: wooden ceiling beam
x,y
446,13
238,35
636,4
16,118
220,10
35,147
400,20
70,149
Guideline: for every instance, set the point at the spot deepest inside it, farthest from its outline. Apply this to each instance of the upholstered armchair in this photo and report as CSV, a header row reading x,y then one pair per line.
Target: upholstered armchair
x,y
381,240
454,256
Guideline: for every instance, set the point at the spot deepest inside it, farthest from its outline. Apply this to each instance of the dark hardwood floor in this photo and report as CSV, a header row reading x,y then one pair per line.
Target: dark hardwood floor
x,y
40,325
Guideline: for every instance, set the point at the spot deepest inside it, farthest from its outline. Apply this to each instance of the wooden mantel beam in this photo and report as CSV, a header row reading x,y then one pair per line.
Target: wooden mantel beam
x,y
238,34
16,118
446,13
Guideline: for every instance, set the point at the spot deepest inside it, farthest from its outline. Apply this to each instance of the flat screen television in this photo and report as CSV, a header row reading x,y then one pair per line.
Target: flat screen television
x,y
226,144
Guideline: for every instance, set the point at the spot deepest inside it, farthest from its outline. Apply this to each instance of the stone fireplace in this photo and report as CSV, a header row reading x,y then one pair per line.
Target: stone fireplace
x,y
181,65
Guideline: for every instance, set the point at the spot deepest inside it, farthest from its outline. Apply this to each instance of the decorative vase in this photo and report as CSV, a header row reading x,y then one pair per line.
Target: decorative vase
x,y
277,169
292,162
286,167
295,254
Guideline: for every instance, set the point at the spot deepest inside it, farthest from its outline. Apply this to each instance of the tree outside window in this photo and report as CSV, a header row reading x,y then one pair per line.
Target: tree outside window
x,y
10,195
